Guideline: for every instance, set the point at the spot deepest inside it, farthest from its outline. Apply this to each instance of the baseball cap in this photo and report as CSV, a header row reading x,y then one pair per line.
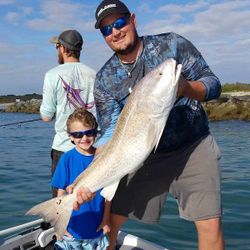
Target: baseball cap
x,y
70,39
107,7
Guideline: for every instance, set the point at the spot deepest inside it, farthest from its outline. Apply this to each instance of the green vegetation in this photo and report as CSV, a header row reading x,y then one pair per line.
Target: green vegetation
x,y
235,87
12,98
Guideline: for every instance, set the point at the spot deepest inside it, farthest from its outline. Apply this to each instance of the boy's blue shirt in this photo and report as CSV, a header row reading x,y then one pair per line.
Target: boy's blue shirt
x,y
187,121
84,222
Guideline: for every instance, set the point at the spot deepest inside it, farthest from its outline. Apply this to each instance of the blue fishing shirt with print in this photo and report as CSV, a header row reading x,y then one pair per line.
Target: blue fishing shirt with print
x,y
188,120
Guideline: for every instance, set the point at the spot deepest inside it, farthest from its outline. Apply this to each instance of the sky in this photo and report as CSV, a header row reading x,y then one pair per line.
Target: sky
x,y
220,30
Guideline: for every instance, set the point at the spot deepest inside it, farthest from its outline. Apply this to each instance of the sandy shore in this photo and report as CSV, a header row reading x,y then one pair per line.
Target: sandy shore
x,y
238,93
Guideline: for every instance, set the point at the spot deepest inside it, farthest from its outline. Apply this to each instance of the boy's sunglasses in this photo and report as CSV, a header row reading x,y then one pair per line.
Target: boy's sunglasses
x,y
80,134
117,24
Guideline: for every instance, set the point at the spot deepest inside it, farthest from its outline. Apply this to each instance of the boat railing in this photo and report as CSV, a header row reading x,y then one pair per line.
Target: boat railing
x,y
31,235
16,229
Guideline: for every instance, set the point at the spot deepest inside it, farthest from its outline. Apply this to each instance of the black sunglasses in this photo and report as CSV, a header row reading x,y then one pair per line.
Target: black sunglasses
x,y
57,45
80,134
117,24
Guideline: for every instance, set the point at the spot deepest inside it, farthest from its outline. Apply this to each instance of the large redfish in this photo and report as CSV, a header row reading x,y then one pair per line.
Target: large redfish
x,y
137,133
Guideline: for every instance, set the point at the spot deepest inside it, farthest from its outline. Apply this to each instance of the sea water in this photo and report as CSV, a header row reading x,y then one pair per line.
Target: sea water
x,y
25,181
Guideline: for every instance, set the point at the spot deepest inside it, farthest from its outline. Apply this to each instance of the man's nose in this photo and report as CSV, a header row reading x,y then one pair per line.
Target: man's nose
x,y
115,31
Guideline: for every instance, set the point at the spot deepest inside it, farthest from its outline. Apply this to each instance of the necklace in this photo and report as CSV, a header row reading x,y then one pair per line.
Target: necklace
x,y
134,63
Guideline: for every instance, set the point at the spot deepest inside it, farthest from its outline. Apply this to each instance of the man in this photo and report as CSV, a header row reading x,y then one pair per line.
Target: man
x,y
186,160
66,87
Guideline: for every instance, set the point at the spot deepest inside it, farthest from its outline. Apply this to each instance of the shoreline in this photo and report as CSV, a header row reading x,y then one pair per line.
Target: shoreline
x,y
229,106
236,93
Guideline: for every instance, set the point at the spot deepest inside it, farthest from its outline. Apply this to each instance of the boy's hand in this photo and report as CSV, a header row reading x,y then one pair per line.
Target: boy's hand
x,y
83,195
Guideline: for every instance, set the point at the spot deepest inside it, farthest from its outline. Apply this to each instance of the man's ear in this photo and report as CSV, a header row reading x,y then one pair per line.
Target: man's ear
x,y
133,19
63,49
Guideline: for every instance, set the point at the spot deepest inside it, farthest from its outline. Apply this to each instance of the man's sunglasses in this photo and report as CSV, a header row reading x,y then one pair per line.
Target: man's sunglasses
x,y
80,134
57,45
117,24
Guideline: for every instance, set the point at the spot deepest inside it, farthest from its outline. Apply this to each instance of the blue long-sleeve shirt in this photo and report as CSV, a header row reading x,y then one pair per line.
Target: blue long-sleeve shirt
x,y
187,121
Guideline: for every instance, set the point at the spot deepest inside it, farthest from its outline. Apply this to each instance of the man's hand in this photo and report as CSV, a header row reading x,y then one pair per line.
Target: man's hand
x,y
83,195
192,89
181,86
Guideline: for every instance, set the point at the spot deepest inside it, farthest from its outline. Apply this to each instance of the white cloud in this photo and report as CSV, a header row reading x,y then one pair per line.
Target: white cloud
x,y
16,16
218,30
12,17
144,8
185,8
6,2
95,54
58,15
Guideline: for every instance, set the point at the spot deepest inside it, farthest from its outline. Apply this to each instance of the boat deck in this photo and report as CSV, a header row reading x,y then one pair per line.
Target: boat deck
x,y
40,235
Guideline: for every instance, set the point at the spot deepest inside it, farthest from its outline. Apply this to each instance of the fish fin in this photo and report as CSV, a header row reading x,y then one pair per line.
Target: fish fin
x,y
56,211
108,192
158,140
154,135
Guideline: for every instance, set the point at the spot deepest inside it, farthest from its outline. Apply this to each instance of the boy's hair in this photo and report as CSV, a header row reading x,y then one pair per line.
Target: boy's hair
x,y
84,116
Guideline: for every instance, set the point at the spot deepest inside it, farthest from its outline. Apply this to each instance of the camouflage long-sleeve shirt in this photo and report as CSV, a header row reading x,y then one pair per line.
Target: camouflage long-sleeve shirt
x,y
187,121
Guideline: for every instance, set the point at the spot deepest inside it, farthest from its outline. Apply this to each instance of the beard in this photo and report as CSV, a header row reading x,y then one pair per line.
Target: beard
x,y
129,48
60,58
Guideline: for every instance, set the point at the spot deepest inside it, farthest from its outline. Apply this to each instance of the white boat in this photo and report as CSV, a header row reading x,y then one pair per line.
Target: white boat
x,y
38,235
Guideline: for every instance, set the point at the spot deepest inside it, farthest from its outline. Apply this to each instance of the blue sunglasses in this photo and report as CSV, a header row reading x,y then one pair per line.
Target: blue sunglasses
x,y
80,134
117,24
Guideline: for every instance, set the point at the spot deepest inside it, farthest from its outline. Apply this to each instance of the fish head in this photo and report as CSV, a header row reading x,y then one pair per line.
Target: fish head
x,y
166,77
160,86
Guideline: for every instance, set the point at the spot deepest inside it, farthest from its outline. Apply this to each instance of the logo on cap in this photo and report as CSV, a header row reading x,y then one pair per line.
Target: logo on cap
x,y
106,7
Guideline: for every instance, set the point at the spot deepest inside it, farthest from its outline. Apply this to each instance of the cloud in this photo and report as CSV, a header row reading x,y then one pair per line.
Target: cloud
x,y
12,17
7,2
184,8
218,30
206,23
95,54
15,17
144,8
59,15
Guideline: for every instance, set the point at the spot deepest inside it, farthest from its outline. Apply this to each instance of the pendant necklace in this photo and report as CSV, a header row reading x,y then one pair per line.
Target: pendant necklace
x,y
134,63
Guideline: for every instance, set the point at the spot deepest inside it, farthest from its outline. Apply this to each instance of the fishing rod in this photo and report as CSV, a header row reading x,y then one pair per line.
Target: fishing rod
x,y
20,122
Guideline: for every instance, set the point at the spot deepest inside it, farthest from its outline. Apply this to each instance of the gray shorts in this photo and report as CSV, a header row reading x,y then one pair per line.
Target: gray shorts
x,y
191,175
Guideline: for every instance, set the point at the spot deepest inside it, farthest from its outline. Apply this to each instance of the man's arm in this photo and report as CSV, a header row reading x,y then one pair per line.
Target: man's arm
x,y
105,224
46,119
197,81
192,89
48,106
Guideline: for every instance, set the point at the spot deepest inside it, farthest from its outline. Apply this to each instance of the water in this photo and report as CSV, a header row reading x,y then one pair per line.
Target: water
x,y
25,178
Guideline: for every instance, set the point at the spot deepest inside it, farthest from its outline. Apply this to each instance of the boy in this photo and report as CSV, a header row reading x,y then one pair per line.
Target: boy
x,y
84,228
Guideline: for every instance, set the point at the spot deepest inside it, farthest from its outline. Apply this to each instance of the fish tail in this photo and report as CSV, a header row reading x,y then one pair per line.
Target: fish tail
x,y
56,211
